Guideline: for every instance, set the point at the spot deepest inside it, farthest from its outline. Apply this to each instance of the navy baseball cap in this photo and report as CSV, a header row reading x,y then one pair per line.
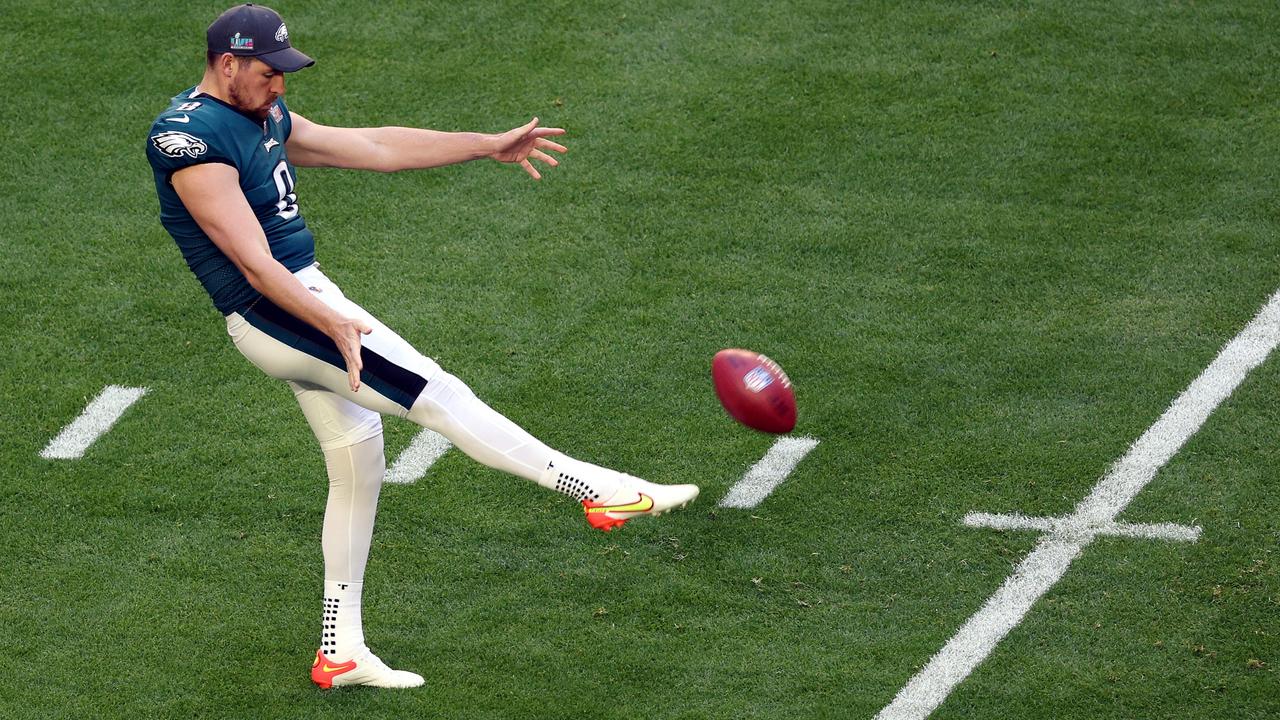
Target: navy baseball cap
x,y
255,31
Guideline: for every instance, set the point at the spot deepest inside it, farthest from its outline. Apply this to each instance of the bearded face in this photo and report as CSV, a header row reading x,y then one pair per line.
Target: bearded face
x,y
254,87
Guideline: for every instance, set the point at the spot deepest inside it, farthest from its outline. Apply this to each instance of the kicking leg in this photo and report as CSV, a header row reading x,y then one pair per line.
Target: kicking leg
x,y
609,498
401,381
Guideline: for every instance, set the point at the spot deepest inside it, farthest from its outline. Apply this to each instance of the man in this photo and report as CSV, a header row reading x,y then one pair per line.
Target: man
x,y
223,154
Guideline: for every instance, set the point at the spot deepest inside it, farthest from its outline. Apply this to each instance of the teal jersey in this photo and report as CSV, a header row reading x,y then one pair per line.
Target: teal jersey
x,y
197,128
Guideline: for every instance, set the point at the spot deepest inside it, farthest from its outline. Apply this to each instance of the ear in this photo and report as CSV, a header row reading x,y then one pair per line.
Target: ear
x,y
227,64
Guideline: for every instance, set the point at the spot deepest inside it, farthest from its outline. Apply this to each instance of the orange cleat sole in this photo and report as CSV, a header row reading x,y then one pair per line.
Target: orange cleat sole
x,y
599,520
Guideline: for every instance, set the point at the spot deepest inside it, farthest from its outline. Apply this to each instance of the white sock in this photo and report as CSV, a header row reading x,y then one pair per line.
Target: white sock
x,y
342,636
580,480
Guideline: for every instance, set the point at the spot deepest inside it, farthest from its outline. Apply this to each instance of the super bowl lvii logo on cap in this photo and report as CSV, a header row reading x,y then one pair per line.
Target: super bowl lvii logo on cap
x,y
242,43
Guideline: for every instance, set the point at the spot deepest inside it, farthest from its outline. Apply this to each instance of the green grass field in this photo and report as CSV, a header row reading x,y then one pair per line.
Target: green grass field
x,y
990,243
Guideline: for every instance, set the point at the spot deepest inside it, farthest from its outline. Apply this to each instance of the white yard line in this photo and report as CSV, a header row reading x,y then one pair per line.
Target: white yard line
x,y
93,423
1038,572
422,453
1068,536
767,474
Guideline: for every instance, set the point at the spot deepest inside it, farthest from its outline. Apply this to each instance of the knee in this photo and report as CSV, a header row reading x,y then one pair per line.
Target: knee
x,y
449,385
336,436
444,397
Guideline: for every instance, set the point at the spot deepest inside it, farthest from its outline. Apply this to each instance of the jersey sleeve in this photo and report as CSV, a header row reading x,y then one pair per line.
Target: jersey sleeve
x,y
172,146
286,120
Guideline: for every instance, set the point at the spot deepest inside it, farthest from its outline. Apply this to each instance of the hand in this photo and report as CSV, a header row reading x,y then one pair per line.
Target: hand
x,y
346,334
525,142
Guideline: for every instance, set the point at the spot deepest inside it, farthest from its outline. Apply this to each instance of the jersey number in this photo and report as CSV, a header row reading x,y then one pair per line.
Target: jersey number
x,y
287,208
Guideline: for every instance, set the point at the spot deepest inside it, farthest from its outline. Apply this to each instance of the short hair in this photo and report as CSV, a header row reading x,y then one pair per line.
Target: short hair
x,y
211,57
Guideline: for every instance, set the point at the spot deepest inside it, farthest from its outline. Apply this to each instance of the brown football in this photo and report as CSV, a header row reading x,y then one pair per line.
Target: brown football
x,y
754,390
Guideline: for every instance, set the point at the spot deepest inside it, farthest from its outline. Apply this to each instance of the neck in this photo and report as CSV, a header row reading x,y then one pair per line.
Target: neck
x,y
210,85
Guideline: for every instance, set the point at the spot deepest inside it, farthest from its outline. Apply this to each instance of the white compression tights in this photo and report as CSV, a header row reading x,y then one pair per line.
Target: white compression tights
x,y
450,408
349,428
355,479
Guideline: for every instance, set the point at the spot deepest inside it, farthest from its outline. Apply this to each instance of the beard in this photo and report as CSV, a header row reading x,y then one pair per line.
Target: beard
x,y
236,91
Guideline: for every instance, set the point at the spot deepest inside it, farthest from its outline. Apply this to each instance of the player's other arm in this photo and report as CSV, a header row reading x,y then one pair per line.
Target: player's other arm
x,y
389,149
211,193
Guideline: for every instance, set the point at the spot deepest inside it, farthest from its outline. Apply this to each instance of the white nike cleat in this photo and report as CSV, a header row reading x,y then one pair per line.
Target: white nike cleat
x,y
636,497
366,669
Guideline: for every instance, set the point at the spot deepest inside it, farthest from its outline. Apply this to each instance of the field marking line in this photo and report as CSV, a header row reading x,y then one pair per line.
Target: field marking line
x,y
1066,528
415,460
97,418
769,472
1067,537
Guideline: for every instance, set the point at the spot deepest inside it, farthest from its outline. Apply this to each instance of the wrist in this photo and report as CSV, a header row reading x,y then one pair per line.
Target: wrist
x,y
488,145
330,320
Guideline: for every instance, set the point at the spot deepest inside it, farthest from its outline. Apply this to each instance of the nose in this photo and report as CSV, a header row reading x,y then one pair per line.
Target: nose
x,y
277,84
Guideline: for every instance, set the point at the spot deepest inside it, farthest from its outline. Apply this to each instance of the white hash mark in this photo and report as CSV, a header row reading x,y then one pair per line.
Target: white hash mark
x,y
93,423
422,453
769,472
1074,530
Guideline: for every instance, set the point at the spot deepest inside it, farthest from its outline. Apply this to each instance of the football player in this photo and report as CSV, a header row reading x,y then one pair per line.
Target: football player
x,y
223,154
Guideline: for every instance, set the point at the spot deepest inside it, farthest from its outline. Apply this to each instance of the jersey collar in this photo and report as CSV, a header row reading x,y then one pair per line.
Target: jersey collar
x,y
196,92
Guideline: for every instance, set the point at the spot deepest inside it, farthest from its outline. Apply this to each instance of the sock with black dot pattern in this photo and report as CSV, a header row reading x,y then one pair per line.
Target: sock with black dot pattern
x,y
342,633
580,480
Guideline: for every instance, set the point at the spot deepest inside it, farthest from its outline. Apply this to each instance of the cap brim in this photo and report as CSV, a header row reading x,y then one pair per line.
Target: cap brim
x,y
286,60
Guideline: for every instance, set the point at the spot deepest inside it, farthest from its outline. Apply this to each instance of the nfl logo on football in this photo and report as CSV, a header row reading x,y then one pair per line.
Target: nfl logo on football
x,y
758,379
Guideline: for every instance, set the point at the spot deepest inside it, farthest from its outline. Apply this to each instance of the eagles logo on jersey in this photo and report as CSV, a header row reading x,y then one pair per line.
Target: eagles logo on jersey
x,y
176,144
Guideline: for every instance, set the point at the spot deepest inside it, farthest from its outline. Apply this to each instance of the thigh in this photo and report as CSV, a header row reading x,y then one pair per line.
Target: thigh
x,y
336,421
394,373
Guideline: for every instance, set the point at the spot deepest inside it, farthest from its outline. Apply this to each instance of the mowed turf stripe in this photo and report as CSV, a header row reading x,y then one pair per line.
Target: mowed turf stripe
x,y
1047,563
98,417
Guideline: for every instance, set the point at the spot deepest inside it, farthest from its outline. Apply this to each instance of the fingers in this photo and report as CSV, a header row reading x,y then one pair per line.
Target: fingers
x,y
354,366
350,349
533,141
544,144
539,155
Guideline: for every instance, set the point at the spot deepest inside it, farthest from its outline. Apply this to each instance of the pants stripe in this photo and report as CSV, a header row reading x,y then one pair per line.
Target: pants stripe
x,y
391,380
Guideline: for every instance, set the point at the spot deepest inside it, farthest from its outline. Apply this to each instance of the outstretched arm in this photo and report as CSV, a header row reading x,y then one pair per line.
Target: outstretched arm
x,y
388,149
